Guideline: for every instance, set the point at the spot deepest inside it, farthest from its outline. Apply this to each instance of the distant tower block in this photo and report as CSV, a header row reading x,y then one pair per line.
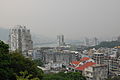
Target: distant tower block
x,y
60,40
95,41
87,42
118,39
20,39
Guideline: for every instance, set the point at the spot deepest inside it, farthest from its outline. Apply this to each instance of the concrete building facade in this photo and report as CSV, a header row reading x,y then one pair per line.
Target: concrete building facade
x,y
99,58
20,39
118,39
89,69
60,40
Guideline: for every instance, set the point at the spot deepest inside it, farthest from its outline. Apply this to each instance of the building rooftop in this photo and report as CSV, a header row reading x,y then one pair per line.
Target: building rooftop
x,y
98,53
88,64
84,62
42,68
84,59
117,47
81,60
98,65
75,62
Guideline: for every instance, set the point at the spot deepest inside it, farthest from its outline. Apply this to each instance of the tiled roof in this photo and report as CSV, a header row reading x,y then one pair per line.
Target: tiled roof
x,y
88,64
84,59
75,62
81,60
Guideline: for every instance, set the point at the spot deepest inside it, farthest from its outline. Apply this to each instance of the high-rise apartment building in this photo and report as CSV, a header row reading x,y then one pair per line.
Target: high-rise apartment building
x,y
87,42
118,39
95,41
20,39
91,41
60,39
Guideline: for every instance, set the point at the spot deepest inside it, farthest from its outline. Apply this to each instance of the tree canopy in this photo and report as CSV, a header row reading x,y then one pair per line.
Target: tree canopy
x,y
13,63
4,48
64,76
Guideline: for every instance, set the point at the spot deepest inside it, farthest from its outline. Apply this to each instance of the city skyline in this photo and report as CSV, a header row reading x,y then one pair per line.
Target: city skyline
x,y
74,19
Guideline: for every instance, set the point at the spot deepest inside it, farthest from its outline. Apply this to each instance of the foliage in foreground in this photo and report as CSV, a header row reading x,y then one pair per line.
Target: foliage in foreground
x,y
25,76
13,63
64,76
38,62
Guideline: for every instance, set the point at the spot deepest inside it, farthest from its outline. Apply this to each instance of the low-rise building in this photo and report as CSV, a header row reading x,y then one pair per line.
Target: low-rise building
x,y
99,58
90,69
55,59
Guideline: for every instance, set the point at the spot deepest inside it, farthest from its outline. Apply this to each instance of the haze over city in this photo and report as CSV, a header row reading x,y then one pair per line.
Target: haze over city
x,y
73,18
59,39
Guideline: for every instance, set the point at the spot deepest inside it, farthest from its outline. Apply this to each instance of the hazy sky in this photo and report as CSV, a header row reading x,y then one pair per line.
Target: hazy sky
x,y
73,18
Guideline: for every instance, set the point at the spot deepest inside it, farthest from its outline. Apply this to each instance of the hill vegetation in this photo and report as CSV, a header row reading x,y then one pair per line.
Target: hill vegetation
x,y
106,44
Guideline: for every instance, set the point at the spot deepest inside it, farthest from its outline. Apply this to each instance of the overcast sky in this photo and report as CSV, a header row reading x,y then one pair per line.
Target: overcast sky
x,y
73,18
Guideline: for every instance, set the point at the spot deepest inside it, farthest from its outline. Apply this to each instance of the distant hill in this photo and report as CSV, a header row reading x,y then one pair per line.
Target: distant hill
x,y
106,44
4,34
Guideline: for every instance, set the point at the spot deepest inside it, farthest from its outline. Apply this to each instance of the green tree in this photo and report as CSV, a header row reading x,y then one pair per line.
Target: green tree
x,y
4,48
20,63
5,61
13,63
25,76
64,76
38,62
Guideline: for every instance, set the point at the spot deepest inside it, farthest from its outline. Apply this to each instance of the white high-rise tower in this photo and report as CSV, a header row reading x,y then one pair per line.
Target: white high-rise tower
x,y
20,39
